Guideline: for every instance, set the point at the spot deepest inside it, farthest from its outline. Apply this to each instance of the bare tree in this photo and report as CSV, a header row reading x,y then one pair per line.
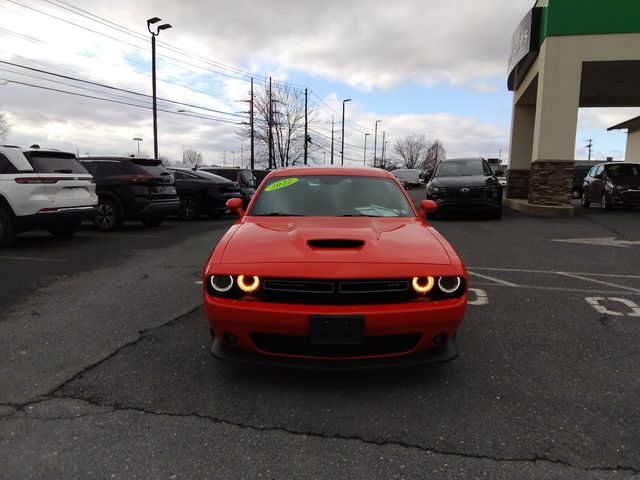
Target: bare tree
x,y
287,125
166,160
4,127
416,151
191,157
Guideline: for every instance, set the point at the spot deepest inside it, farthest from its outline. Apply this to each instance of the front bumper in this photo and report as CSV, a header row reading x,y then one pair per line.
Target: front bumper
x,y
423,321
455,205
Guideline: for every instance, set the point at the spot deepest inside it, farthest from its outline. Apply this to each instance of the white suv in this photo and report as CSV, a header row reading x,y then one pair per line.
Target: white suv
x,y
43,188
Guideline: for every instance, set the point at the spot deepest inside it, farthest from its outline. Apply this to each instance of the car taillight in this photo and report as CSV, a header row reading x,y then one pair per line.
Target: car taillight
x,y
37,180
135,178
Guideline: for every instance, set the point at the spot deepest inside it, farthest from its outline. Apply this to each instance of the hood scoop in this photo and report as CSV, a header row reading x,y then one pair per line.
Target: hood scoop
x,y
335,244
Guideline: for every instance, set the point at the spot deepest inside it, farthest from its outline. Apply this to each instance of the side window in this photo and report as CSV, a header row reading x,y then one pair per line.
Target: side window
x,y
230,175
110,169
487,168
599,170
177,175
6,166
90,166
592,172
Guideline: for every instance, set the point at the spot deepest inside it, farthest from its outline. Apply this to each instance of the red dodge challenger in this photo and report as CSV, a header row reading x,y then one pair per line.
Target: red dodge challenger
x,y
333,268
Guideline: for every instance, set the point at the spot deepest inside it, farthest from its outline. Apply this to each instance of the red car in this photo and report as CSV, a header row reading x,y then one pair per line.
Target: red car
x,y
333,268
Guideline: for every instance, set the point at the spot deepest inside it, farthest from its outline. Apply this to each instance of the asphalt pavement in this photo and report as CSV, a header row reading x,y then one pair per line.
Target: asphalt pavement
x,y
105,370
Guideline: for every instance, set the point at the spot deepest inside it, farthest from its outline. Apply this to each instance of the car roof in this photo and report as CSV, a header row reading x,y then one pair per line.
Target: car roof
x,y
476,159
331,170
118,159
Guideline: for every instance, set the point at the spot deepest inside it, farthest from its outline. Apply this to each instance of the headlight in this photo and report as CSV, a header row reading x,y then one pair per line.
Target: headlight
x,y
423,285
248,284
221,283
449,284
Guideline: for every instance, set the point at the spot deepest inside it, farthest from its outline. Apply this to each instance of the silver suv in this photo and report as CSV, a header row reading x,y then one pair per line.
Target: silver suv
x,y
43,188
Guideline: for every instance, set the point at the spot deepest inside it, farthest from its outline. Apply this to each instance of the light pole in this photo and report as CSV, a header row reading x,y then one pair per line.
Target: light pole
x,y
342,147
375,144
164,26
138,139
364,161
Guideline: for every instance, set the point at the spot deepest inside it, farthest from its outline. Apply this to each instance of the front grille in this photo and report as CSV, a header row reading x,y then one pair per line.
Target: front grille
x,y
340,292
468,192
299,345
631,196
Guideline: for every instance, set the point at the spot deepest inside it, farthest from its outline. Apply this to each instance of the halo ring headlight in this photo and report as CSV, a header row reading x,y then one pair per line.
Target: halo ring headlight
x,y
450,284
221,283
248,284
423,285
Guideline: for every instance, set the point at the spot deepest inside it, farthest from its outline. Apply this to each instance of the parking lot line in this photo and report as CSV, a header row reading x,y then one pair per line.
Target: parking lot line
x,y
526,270
609,284
35,259
557,289
497,280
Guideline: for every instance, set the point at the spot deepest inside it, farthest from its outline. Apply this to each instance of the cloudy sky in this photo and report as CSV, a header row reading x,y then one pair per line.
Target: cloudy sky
x,y
420,66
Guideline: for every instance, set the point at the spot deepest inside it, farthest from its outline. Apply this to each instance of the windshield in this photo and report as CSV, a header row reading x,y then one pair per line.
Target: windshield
x,y
53,162
628,170
331,196
460,168
149,167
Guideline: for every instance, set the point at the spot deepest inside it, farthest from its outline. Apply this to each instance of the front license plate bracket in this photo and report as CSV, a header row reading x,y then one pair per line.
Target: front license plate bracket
x,y
336,329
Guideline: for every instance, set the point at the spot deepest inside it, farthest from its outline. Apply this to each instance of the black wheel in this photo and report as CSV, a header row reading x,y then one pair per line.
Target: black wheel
x,y
497,214
7,230
152,220
109,216
64,231
583,200
189,208
605,202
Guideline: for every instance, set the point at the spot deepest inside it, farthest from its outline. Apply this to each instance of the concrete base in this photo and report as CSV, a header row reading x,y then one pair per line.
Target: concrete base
x,y
537,210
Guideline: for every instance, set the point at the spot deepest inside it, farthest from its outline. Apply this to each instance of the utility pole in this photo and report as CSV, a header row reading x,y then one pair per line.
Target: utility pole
x,y
375,145
590,147
383,145
270,122
364,162
342,144
306,119
253,158
332,139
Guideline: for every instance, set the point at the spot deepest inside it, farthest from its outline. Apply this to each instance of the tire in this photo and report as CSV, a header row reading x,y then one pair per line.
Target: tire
x,y
497,214
605,202
64,231
109,216
189,208
152,220
583,200
7,229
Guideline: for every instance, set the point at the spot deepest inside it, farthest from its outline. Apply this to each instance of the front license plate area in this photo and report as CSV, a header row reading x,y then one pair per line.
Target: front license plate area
x,y
336,330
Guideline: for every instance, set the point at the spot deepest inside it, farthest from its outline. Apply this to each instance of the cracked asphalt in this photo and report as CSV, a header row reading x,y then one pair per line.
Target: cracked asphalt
x,y
105,370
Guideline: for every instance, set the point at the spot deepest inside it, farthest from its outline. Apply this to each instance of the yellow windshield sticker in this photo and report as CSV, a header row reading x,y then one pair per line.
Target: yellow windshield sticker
x,y
280,184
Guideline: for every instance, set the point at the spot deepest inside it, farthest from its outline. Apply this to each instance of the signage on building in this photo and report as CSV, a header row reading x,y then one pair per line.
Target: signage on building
x,y
525,44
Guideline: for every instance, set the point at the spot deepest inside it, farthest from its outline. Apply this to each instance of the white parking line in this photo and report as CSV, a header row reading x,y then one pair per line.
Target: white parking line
x,y
34,259
526,270
497,280
579,277
595,302
556,289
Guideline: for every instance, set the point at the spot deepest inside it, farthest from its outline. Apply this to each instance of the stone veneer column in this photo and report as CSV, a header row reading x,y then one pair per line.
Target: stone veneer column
x,y
551,184
518,183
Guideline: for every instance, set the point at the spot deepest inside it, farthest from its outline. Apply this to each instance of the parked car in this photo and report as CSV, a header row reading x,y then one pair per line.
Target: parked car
x,y
409,176
202,192
131,189
466,184
244,177
334,268
260,175
579,174
43,188
612,185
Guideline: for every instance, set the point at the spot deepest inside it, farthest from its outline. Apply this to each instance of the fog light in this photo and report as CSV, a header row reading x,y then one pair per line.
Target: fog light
x,y
449,284
230,338
221,283
440,339
422,284
248,284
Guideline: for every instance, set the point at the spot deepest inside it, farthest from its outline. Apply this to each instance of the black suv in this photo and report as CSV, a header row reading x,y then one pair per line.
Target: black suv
x,y
612,185
466,184
202,192
131,189
242,176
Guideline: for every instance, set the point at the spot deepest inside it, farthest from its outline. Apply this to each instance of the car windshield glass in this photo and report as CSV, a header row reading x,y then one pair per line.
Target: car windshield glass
x,y
53,162
459,168
211,176
331,196
247,177
149,167
623,170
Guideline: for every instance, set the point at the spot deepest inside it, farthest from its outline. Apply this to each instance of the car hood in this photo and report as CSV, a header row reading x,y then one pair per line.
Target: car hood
x,y
468,181
334,240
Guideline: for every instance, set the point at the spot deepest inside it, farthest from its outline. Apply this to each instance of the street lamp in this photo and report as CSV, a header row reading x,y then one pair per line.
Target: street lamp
x,y
375,144
364,161
164,26
138,139
342,149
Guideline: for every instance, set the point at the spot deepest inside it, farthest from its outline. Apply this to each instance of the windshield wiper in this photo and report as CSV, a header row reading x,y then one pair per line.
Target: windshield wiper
x,y
359,215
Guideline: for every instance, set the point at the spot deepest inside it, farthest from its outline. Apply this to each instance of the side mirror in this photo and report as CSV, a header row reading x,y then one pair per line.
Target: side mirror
x,y
235,205
499,173
426,206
